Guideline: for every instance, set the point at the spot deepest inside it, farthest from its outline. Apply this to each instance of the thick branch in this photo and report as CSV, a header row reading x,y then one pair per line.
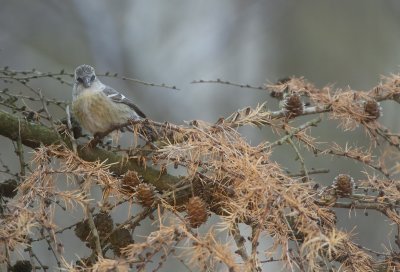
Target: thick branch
x,y
33,135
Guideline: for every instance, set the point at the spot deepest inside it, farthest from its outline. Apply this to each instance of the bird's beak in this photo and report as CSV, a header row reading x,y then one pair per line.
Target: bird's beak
x,y
86,82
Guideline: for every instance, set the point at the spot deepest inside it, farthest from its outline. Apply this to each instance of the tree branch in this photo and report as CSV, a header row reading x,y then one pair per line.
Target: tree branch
x,y
33,135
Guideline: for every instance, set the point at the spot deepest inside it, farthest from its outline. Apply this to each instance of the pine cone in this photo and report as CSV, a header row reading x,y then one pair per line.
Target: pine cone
x,y
372,109
82,230
145,194
22,266
8,188
129,182
104,224
277,92
196,212
203,189
293,105
344,185
120,238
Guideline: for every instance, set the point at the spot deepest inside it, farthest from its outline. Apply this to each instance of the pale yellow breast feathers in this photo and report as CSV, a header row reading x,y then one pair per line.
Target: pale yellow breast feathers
x,y
97,113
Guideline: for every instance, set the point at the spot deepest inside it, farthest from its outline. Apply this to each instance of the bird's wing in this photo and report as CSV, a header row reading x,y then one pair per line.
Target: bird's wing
x,y
120,98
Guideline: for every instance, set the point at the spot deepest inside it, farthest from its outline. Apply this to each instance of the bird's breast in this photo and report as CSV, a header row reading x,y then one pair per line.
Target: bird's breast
x,y
97,113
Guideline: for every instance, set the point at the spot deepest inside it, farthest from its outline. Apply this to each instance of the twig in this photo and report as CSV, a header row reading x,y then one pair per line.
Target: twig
x,y
131,223
310,172
33,256
301,159
70,130
162,85
386,135
359,205
357,158
379,254
397,241
311,123
56,232
49,116
43,101
146,122
94,231
60,104
271,260
20,152
219,81
255,236
298,261
35,74
55,252
240,243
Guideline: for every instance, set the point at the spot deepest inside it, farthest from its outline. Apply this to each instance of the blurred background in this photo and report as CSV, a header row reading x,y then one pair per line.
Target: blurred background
x,y
346,43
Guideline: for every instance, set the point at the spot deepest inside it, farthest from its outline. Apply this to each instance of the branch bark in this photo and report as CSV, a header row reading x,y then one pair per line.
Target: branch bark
x,y
34,135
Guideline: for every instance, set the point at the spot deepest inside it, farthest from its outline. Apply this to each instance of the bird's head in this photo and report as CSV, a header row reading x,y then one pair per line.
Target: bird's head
x,y
85,75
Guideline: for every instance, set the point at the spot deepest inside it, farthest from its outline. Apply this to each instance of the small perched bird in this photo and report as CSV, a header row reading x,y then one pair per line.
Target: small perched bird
x,y
98,107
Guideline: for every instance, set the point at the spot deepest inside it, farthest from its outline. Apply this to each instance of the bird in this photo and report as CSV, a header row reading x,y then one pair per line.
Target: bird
x,y
98,107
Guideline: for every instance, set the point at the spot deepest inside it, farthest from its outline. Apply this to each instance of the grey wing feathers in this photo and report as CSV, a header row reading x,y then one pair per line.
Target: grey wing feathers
x,y
120,98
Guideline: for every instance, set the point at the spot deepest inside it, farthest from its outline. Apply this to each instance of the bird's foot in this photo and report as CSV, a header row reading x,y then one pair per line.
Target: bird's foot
x,y
98,138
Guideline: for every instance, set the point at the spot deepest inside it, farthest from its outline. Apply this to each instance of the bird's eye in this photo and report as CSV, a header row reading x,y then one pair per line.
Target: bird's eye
x,y
80,80
92,78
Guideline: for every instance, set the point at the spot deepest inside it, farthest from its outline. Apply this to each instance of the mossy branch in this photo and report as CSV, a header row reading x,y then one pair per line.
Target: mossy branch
x,y
34,135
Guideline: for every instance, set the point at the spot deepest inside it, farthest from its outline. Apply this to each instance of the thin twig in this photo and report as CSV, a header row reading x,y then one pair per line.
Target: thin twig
x,y
131,223
301,159
386,135
359,205
55,252
219,81
20,152
357,158
378,254
70,131
240,243
49,116
35,74
33,256
162,85
94,231
310,172
58,103
311,123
